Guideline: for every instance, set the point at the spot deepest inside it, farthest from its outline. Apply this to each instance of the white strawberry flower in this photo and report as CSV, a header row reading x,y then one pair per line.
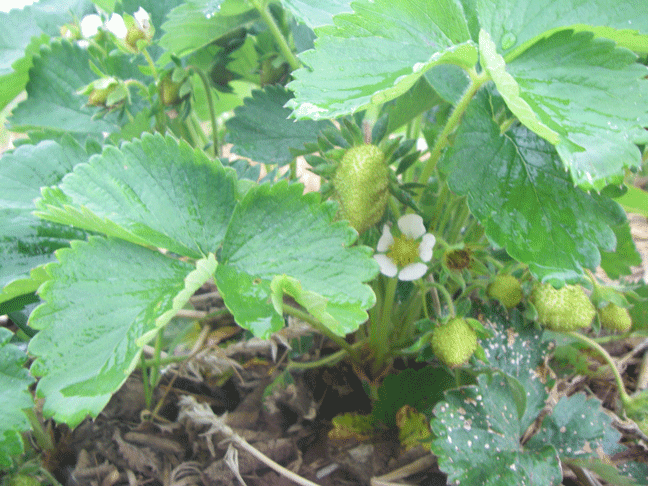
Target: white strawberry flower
x,y
406,254
90,25
117,26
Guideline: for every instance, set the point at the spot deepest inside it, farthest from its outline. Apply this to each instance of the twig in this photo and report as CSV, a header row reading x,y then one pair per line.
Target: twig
x,y
417,466
201,413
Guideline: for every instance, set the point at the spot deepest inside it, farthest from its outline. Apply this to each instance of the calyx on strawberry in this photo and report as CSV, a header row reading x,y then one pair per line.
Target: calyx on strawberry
x,y
565,309
454,342
173,87
507,289
361,183
615,318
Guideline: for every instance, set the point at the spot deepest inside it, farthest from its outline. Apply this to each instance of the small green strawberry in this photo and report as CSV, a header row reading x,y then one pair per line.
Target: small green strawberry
x,y
361,183
565,309
169,90
454,342
615,318
507,289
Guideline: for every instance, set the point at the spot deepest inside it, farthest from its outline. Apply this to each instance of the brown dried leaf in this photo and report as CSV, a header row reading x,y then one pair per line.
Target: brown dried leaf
x,y
141,459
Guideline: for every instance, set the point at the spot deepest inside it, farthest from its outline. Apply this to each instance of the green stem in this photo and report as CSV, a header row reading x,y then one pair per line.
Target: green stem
x,y
155,369
151,64
210,104
458,222
285,49
477,80
148,397
43,439
379,337
327,361
625,398
446,296
299,314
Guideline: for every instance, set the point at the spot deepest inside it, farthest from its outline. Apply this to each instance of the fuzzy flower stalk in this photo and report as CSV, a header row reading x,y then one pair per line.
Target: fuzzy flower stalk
x,y
406,254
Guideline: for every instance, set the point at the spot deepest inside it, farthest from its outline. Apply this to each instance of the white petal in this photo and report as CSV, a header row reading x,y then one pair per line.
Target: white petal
x,y
386,240
413,271
387,267
90,25
117,26
425,248
142,18
411,225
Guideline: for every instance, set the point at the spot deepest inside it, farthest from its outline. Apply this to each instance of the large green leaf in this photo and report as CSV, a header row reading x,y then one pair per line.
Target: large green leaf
x,y
377,54
478,433
278,231
14,398
194,24
580,104
576,427
154,191
515,24
527,203
316,13
25,241
103,296
52,102
262,131
23,31
517,349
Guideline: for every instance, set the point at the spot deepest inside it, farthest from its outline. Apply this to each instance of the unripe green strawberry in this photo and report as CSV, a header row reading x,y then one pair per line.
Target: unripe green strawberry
x,y
98,96
507,289
132,36
169,91
454,342
565,309
615,318
361,184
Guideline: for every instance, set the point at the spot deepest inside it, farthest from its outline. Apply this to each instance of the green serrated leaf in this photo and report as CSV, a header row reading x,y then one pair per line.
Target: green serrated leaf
x,y
188,28
103,296
378,53
580,104
635,200
24,31
26,243
519,351
276,230
52,101
576,427
514,25
478,439
315,13
420,389
517,189
262,130
618,263
14,398
154,191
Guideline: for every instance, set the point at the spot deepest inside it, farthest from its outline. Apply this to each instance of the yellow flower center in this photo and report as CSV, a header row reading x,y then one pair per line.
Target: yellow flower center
x,y
403,251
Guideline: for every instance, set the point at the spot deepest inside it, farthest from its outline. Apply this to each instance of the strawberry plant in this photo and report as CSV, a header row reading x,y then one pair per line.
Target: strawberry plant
x,y
475,162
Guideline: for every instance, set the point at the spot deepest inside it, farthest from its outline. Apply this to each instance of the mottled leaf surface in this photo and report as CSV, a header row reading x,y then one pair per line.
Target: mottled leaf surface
x,y
478,433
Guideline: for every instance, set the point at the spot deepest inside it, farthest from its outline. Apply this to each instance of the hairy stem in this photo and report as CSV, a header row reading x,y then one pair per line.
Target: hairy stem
x,y
477,80
285,49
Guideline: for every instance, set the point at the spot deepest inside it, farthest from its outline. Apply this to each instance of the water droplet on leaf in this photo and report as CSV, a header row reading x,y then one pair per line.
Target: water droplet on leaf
x,y
508,40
